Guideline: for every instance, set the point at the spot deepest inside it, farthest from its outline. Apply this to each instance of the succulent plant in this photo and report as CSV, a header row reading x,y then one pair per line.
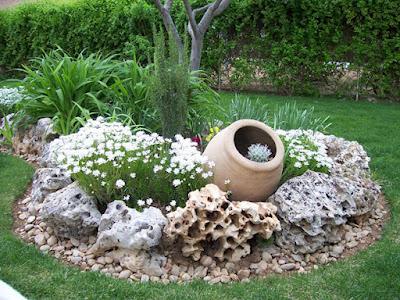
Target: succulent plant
x,y
259,153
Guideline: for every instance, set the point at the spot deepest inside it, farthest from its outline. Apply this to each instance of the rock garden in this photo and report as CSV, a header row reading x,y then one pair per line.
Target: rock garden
x,y
89,204
142,174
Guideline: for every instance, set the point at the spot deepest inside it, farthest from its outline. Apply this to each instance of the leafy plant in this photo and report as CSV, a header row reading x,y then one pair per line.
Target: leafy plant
x,y
170,85
289,116
259,153
246,108
67,89
7,129
9,97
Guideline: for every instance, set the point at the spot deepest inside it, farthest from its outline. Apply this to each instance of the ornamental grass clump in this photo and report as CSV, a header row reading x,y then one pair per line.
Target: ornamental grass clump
x,y
303,152
111,163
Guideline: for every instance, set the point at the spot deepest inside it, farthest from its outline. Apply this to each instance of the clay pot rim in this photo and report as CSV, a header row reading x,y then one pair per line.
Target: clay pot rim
x,y
245,162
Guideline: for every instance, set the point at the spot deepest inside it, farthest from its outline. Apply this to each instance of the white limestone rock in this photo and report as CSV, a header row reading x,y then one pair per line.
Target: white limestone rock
x,y
71,212
314,206
47,181
126,228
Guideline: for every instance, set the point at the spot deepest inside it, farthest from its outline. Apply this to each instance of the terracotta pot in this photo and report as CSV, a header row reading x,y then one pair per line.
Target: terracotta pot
x,y
249,180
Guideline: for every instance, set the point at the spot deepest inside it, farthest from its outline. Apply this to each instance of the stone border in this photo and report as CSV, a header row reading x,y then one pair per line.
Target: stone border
x,y
263,261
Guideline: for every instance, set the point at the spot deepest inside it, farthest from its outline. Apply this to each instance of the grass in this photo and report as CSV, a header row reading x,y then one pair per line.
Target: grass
x,y
370,274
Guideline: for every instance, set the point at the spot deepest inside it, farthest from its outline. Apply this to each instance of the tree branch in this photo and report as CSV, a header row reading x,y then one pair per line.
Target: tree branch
x,y
209,14
192,20
168,4
169,24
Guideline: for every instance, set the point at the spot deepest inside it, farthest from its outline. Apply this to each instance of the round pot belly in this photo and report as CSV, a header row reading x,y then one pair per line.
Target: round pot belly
x,y
248,180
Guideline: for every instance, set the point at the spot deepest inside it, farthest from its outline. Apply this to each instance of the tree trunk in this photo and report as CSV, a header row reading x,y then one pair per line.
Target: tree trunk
x,y
195,55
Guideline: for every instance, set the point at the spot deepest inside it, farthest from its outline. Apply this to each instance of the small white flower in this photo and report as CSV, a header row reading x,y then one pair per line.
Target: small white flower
x,y
168,208
297,164
176,182
120,183
141,203
173,203
149,201
127,197
227,181
132,175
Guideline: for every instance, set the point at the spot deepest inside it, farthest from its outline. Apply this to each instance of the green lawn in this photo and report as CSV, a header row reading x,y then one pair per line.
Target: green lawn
x,y
371,274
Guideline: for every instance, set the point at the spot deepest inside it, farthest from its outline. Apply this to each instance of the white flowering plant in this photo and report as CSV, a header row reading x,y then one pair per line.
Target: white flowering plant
x,y
303,152
112,163
9,97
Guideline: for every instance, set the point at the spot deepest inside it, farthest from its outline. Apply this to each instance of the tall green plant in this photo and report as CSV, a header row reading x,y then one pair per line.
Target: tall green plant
x,y
170,85
67,89
289,116
246,108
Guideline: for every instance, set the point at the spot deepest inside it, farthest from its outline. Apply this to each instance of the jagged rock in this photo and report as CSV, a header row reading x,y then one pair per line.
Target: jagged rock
x,y
47,181
147,262
71,212
31,142
126,228
314,206
349,157
210,224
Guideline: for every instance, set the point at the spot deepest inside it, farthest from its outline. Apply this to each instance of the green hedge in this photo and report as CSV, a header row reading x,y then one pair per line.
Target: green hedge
x,y
290,44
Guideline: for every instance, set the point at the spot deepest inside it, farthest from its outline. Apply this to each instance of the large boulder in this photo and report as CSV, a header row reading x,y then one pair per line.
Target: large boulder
x,y
314,206
31,142
126,228
71,212
211,224
47,181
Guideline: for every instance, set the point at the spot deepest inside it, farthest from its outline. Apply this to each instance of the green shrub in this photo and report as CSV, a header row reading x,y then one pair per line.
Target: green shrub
x,y
292,45
170,85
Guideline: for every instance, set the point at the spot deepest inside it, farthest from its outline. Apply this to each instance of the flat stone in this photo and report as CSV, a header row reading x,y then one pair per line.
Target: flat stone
x,y
266,256
206,260
337,250
243,273
125,274
44,248
40,240
30,219
22,216
288,266
352,244
28,227
175,270
186,277
144,278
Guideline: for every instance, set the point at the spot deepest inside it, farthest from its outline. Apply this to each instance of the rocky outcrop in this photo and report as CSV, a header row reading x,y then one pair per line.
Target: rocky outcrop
x,y
313,207
71,212
31,142
47,181
126,228
210,224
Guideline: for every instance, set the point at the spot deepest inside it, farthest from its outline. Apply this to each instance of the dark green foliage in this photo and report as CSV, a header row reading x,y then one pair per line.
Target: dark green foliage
x,y
170,85
292,41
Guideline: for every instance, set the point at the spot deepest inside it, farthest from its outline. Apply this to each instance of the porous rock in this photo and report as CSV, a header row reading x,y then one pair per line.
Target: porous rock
x,y
124,227
210,224
71,212
30,142
349,157
313,208
47,181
